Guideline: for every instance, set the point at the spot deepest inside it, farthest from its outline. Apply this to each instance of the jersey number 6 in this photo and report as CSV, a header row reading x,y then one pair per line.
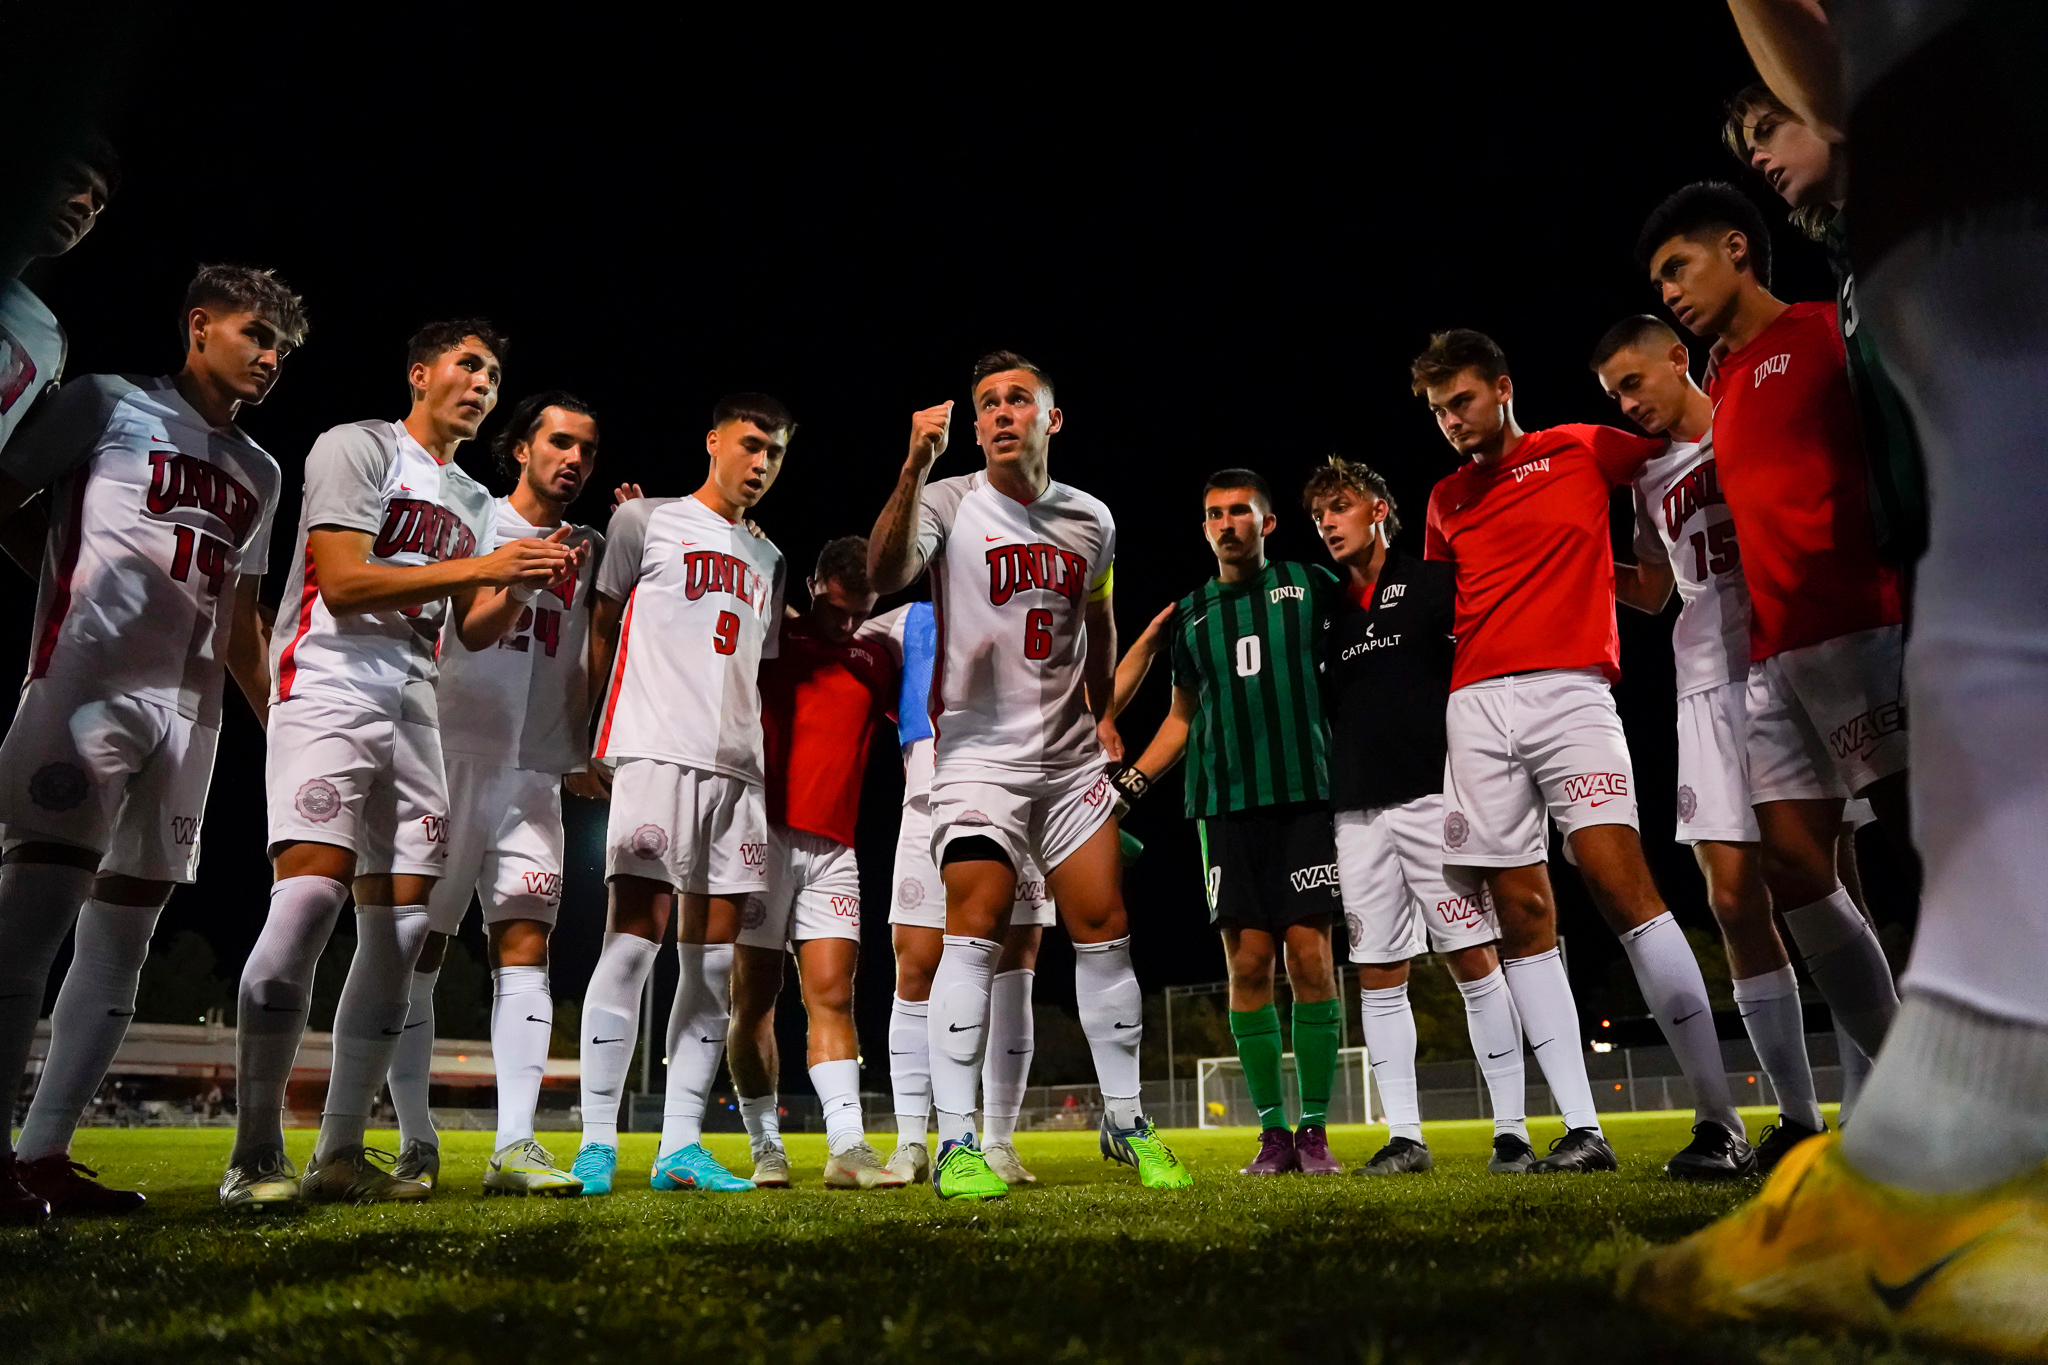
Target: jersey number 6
x,y
725,637
1038,633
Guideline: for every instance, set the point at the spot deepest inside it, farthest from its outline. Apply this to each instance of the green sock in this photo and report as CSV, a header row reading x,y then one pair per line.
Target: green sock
x,y
1258,1047
1315,1056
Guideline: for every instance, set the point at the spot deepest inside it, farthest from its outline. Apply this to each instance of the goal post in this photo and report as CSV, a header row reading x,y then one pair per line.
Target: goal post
x,y
1222,1101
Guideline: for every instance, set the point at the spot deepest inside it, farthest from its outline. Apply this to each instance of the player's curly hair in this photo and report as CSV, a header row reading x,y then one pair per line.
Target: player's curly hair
x,y
1338,473
1704,209
526,419
1743,109
1452,352
995,362
844,561
244,289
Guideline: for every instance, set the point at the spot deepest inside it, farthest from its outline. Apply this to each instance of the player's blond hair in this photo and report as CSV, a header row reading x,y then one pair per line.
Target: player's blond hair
x,y
1338,474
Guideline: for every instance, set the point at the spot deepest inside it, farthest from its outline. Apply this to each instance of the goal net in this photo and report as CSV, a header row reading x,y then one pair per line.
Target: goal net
x,y
1223,1101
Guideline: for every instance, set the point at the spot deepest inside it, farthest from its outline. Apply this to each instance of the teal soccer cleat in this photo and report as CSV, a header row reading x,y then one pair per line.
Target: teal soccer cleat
x,y
693,1168
594,1165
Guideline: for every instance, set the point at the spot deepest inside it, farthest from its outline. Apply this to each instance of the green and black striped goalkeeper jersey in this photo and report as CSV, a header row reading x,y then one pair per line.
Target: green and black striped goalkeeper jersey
x,y
1249,652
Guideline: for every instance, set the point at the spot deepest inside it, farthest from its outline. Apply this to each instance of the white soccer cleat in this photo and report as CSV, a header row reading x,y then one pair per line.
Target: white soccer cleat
x,y
526,1167
771,1167
1002,1158
860,1167
912,1161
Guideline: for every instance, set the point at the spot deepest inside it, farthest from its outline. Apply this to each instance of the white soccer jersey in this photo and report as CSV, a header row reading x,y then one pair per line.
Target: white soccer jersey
x,y
525,701
1680,517
1010,587
703,607
32,348
375,478
154,516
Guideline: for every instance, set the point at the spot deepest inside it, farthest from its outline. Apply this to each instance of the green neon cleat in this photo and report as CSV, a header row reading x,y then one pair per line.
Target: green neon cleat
x,y
1142,1147
961,1172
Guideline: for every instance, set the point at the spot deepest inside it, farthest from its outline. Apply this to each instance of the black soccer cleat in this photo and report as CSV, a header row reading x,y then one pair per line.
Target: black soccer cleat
x,y
1401,1156
1579,1152
1713,1154
20,1207
1779,1139
1512,1155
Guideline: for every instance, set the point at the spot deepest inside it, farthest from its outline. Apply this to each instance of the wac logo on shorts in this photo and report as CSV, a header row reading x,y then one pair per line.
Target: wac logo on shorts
x,y
547,884
318,800
1215,885
1309,878
754,855
1860,736
1607,786
436,827
185,830
1459,911
846,907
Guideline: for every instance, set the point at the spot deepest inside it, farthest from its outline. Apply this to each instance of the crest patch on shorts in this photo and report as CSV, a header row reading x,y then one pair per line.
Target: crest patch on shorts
x,y
910,893
1688,804
1356,923
318,800
756,913
1457,829
648,841
59,786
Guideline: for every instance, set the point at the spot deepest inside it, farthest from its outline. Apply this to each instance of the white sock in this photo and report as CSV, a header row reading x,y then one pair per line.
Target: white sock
x,y
958,1029
611,1023
838,1087
91,1019
696,1040
1112,1015
271,1002
522,1026
763,1116
369,1019
1550,1020
910,1068
1958,1100
38,902
411,1074
1855,1071
1006,1069
1769,1006
1497,1044
1847,966
1390,1046
1669,976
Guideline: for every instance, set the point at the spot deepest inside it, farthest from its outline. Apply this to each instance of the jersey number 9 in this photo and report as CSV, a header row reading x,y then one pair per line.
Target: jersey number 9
x,y
725,637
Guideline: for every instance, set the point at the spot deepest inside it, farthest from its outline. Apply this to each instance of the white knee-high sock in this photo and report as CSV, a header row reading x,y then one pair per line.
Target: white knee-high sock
x,y
1113,1016
1389,1025
271,1003
1769,1006
838,1087
910,1067
91,1019
1007,1067
696,1040
370,1019
611,1024
1855,1071
38,902
1669,976
762,1115
958,1027
411,1073
522,1025
1847,965
1497,1044
1550,1020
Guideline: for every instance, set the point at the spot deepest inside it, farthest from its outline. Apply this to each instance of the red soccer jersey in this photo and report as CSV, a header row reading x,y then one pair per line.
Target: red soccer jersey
x,y
1790,453
820,700
1535,564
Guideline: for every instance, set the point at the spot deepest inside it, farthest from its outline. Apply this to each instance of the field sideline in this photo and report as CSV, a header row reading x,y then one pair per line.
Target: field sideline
x,y
1087,1266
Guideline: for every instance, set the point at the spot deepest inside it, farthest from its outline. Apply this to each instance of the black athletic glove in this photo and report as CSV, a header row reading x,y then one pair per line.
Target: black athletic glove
x,y
1131,784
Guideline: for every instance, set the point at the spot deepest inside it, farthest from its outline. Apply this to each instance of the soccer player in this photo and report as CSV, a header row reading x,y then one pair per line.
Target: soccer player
x,y
821,697
1021,586
389,536
514,732
1248,710
681,730
1685,538
147,600
1532,732
917,932
1825,715
1387,667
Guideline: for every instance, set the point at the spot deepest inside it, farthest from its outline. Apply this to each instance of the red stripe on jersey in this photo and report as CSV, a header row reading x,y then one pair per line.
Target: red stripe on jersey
x,y
309,594
67,565
611,703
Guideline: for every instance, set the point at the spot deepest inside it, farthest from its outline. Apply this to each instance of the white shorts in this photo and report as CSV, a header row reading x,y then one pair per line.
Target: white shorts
x,y
703,833
1390,869
1827,720
1528,745
1713,767
813,892
122,777
504,845
340,773
1035,820
920,895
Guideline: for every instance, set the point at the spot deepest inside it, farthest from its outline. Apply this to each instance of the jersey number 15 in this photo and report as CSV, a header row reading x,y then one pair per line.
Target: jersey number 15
x,y
1714,550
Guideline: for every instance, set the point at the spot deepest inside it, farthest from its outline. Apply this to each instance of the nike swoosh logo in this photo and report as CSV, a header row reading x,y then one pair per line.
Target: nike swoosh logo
x,y
394,1032
961,1028
702,1039
1545,1043
1600,803
1493,1056
416,1023
1018,1051
686,542
279,1009
1120,1024
161,441
894,1053
1198,620
1741,1013
537,1020
120,1014
1898,1297
1681,1019
607,1040
986,539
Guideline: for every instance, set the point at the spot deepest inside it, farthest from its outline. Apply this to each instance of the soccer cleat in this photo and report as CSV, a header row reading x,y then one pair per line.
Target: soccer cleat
x,y
1312,1151
1002,1158
1827,1246
1512,1155
1276,1154
961,1172
419,1161
912,1161
693,1168
1401,1156
71,1189
859,1167
1141,1146
1779,1139
357,1175
266,1183
595,1164
20,1207
1579,1152
771,1167
1713,1154
526,1167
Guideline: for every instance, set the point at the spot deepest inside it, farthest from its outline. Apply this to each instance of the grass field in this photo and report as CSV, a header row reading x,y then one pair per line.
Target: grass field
x,y
1087,1266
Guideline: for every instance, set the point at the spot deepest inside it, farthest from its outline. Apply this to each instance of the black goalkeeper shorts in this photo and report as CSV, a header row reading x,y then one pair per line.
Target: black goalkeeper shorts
x,y
1271,867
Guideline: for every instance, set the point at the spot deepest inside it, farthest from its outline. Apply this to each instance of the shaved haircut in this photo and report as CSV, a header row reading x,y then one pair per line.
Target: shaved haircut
x,y
1641,332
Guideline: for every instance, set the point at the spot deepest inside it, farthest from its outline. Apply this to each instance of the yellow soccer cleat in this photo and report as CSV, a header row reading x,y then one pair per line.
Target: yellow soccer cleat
x,y
1824,1245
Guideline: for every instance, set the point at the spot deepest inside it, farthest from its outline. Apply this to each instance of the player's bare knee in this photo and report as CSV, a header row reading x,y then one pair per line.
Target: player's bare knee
x,y
1382,976
1472,964
1020,949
